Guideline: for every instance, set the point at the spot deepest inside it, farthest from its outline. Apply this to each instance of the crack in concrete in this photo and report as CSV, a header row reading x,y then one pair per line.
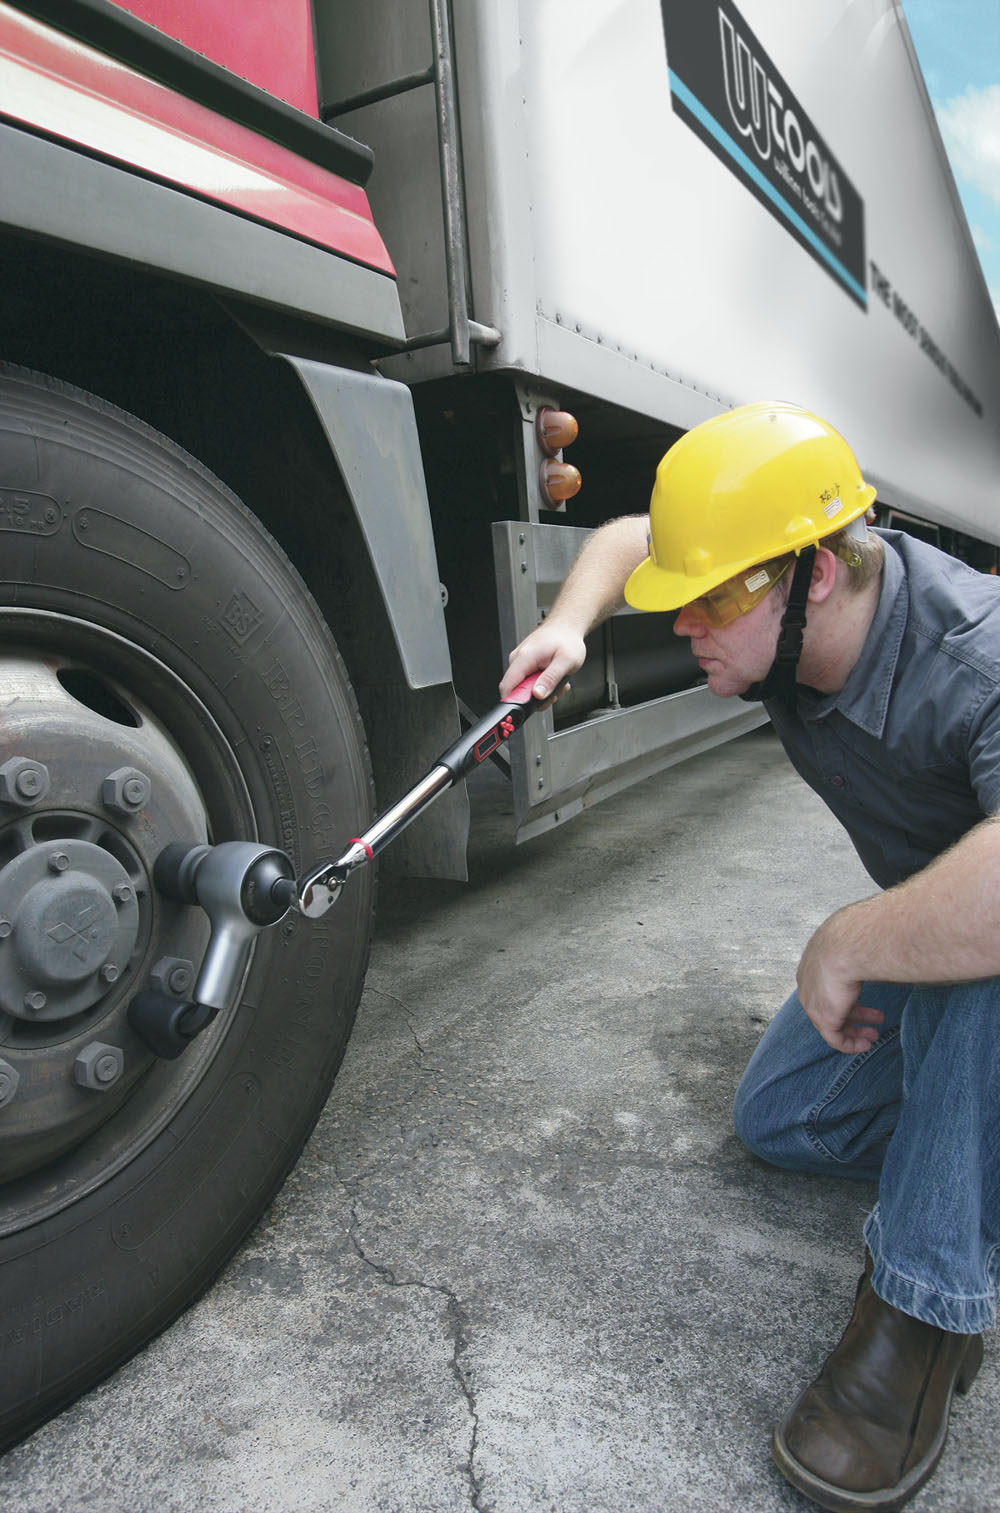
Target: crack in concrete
x,y
421,1048
457,1321
454,1311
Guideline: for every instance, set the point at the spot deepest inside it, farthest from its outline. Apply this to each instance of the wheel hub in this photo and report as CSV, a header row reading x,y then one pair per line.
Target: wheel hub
x,y
69,920
92,788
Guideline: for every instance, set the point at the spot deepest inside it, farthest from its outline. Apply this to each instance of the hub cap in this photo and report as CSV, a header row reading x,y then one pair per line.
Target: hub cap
x,y
93,786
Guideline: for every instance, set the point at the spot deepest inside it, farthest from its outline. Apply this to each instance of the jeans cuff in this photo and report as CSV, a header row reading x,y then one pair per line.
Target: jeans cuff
x,y
954,1312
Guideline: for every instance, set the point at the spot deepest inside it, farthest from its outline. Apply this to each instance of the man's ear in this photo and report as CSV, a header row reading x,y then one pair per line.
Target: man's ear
x,y
824,575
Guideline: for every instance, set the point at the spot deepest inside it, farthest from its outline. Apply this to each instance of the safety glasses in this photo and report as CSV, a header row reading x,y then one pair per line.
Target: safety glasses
x,y
727,601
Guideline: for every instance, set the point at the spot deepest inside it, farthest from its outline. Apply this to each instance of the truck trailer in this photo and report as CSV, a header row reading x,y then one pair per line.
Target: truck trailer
x,y
328,329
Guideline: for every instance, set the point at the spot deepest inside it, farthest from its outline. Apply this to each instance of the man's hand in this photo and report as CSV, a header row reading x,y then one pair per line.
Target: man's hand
x,y
553,651
830,992
941,925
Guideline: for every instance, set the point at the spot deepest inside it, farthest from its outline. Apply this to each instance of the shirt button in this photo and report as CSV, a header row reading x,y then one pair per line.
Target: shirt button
x,y
837,781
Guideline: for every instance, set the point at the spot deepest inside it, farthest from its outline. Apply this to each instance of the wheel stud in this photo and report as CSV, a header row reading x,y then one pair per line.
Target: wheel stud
x,y
126,790
23,782
99,1066
172,975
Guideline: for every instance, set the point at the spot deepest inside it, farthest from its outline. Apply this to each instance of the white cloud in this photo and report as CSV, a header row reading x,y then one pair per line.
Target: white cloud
x,y
970,125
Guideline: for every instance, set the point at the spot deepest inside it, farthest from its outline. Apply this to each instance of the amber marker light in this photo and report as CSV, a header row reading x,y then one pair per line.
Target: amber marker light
x,y
555,429
558,481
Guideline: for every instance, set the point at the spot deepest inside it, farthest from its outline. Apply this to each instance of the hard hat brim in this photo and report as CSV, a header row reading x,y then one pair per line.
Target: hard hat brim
x,y
654,588
651,587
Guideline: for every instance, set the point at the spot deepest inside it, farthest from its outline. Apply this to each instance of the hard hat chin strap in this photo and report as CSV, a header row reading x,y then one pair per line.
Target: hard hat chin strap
x,y
780,680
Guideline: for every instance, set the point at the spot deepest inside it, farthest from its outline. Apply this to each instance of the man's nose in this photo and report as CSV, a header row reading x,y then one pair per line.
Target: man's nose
x,y
689,622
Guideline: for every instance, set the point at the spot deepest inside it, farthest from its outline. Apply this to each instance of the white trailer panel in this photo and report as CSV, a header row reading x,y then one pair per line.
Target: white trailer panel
x,y
649,191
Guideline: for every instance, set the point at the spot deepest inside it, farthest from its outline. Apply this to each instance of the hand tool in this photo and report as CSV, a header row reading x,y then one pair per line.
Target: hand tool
x,y
245,887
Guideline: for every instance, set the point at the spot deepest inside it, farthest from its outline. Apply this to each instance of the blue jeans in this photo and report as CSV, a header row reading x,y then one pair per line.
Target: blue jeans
x,y
920,1112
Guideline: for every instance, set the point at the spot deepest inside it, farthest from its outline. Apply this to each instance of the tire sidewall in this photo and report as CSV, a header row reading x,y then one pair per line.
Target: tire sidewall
x,y
147,544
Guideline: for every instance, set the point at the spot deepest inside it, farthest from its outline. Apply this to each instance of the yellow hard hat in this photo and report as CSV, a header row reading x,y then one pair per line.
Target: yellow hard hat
x,y
743,487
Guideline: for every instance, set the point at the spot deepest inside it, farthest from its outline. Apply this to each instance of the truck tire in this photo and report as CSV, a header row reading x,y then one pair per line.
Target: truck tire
x,y
164,678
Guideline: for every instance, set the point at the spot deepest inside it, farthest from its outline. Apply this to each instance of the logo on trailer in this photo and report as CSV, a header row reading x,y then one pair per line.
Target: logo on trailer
x,y
758,111
727,89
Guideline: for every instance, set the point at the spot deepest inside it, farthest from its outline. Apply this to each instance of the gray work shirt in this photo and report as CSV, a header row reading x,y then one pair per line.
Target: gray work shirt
x,y
907,755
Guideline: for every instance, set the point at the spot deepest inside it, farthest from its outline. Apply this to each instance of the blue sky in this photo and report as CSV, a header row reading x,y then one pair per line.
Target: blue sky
x,y
958,44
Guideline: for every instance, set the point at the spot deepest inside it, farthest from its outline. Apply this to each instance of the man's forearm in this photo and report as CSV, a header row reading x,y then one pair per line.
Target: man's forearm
x,y
941,925
595,584
592,591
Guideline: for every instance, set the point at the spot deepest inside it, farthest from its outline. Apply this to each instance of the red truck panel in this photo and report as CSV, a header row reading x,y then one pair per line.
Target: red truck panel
x,y
268,42
57,85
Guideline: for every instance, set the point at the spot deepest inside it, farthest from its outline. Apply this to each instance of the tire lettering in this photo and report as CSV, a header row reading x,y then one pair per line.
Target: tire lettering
x,y
28,513
297,1038
311,767
293,716
282,791
278,686
42,1320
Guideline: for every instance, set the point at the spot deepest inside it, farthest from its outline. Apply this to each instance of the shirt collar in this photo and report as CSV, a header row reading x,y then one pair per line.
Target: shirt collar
x,y
864,698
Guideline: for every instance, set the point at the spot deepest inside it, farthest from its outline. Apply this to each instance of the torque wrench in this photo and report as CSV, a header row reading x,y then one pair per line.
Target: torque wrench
x,y
245,887
314,893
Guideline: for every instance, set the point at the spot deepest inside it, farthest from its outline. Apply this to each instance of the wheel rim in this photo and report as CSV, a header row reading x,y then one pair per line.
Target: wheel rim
x,y
106,756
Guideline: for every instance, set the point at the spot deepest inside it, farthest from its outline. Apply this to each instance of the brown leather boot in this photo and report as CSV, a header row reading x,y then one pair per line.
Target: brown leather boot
x,y
868,1432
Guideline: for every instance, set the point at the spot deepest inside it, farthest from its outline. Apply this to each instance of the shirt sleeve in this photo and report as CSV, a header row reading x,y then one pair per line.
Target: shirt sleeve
x,y
984,753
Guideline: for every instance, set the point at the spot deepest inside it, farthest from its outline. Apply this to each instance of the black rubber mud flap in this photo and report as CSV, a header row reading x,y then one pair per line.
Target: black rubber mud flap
x,y
164,678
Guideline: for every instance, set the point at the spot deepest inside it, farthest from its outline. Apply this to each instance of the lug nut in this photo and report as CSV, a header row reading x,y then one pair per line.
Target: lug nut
x,y
126,790
5,928
173,975
121,893
58,861
99,1066
23,782
34,1001
109,973
9,1078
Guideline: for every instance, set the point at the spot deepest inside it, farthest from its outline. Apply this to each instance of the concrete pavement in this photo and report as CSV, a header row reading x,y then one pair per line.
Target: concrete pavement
x,y
524,1266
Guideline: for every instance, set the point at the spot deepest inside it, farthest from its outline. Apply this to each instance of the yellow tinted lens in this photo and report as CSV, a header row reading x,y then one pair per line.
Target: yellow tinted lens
x,y
727,601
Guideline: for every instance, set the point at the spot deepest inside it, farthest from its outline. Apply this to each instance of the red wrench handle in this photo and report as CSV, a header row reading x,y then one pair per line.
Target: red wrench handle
x,y
492,730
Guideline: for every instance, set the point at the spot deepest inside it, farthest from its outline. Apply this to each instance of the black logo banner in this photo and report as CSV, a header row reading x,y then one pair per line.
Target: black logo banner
x,y
725,86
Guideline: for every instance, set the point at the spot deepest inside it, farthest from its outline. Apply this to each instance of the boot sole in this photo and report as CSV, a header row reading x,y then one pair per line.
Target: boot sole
x,y
884,1499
